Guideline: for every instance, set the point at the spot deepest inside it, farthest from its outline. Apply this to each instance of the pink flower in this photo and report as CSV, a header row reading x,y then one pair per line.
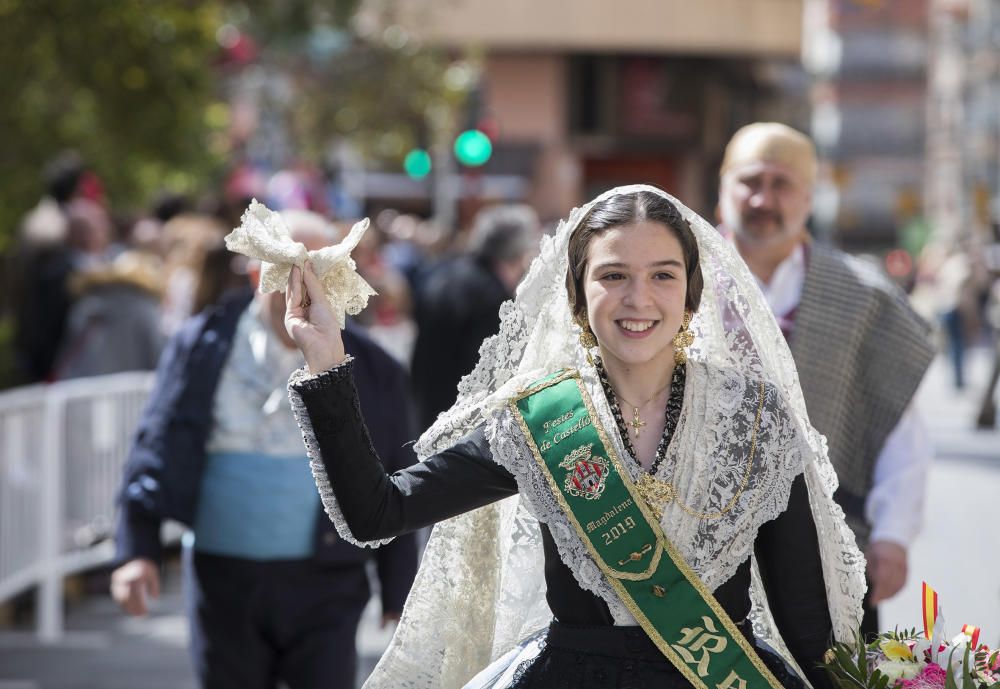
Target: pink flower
x,y
933,673
931,676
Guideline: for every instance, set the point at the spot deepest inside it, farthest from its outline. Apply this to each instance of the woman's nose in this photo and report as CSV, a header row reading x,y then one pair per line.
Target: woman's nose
x,y
637,293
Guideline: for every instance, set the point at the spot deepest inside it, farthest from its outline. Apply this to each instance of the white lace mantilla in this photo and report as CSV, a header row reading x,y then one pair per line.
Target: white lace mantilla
x,y
481,586
706,463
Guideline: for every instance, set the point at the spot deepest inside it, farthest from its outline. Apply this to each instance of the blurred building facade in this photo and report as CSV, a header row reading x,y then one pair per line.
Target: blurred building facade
x,y
584,96
906,112
868,60
900,95
963,118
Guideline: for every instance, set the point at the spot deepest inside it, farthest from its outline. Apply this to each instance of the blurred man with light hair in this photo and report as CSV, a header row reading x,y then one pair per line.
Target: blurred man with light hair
x,y
273,594
859,348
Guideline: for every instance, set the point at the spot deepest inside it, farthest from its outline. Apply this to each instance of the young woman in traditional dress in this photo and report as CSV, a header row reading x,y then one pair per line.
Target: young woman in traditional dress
x,y
627,491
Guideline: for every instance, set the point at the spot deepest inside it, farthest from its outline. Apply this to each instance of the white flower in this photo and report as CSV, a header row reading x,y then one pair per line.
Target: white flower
x,y
899,669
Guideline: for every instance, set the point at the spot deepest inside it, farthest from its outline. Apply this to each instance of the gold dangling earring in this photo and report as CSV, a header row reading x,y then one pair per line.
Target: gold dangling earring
x,y
587,339
682,340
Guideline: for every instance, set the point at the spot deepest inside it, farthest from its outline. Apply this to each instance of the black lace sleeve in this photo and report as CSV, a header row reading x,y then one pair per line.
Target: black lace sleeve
x,y
376,505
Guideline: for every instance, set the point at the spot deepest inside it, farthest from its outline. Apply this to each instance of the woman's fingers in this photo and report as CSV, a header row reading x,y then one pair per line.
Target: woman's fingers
x,y
311,321
319,311
314,288
293,292
306,303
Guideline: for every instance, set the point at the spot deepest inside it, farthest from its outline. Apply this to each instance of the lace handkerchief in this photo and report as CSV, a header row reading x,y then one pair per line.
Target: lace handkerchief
x,y
263,235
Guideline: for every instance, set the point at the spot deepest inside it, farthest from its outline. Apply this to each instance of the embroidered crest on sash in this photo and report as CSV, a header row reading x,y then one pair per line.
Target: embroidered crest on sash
x,y
587,473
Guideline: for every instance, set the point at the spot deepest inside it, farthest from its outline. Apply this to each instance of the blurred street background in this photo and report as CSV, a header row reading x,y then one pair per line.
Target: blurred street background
x,y
135,134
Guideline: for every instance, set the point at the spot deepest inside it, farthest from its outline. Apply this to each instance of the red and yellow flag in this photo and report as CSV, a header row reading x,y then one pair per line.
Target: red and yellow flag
x,y
930,609
973,632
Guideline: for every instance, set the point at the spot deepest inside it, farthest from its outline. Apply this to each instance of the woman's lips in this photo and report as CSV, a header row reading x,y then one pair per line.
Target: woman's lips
x,y
636,329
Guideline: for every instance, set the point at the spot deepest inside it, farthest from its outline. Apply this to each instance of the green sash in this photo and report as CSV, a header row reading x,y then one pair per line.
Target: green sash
x,y
667,598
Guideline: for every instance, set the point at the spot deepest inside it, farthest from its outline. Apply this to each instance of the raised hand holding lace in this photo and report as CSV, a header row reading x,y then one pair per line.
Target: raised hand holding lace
x,y
263,235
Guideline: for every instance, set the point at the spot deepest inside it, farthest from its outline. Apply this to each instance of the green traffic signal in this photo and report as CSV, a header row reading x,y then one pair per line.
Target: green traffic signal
x,y
417,163
473,147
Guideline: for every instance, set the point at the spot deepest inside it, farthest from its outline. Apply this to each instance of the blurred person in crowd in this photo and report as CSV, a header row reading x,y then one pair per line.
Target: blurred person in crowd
x,y
944,293
169,204
71,234
389,316
987,415
187,239
338,192
41,301
430,249
147,233
458,305
114,323
860,350
222,271
411,246
273,593
90,234
67,178
399,245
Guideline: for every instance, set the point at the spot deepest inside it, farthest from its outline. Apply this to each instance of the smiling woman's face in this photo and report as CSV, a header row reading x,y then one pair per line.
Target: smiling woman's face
x,y
635,286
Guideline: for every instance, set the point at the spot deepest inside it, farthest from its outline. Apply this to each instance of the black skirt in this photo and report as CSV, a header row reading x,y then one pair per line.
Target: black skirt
x,y
606,657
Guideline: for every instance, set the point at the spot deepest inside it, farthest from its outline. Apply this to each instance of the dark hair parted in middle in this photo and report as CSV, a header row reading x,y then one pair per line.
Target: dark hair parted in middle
x,y
621,211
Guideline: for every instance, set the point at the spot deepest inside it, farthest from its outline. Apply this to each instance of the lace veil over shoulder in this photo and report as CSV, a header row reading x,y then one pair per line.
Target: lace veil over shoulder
x,y
480,588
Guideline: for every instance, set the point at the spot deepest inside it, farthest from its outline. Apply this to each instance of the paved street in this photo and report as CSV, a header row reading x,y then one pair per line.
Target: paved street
x,y
957,553
106,650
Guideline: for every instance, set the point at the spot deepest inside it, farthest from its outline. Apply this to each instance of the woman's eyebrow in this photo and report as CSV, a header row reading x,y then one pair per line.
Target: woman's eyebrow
x,y
668,262
655,264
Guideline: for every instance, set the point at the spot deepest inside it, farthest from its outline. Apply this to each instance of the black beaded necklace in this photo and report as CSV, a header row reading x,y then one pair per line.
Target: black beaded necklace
x,y
672,413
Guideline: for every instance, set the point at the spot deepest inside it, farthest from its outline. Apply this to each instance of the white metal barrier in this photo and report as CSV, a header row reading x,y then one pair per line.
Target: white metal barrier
x,y
62,448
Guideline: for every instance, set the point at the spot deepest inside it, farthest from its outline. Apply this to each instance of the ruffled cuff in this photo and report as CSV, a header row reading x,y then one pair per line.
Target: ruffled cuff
x,y
304,381
303,386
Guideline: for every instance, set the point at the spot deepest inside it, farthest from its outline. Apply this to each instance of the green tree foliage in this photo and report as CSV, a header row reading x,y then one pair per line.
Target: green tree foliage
x,y
367,81
129,85
135,87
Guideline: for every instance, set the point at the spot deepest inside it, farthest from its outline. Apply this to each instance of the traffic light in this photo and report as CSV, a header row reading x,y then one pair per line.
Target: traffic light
x,y
417,163
473,147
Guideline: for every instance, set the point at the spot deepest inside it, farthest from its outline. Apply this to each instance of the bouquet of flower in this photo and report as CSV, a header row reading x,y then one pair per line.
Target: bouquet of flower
x,y
910,660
